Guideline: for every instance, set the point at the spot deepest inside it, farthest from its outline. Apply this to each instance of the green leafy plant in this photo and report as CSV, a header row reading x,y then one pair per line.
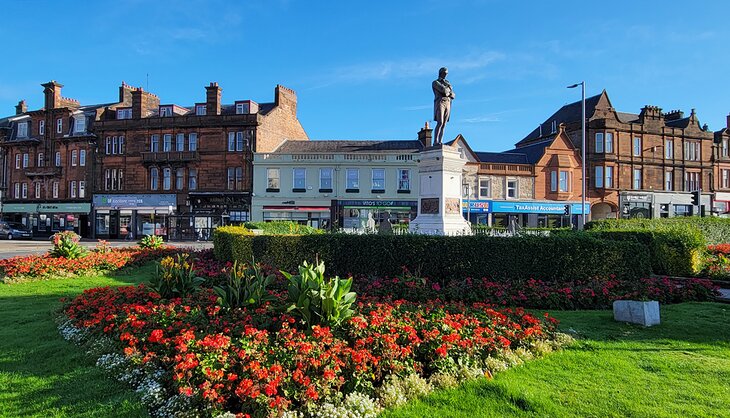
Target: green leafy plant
x,y
316,300
66,244
246,285
151,241
176,277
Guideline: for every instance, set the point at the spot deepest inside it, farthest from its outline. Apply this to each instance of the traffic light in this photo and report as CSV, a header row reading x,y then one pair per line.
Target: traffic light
x,y
696,198
566,210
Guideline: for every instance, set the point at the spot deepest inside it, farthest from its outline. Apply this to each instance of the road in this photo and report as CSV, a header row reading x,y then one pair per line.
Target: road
x,y
26,247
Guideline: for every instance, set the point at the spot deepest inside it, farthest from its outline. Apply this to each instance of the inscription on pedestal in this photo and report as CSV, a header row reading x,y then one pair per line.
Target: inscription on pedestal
x,y
430,205
453,205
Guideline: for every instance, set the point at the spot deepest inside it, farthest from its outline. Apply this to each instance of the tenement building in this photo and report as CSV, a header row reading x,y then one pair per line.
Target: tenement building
x,y
721,174
181,171
638,165
343,184
47,153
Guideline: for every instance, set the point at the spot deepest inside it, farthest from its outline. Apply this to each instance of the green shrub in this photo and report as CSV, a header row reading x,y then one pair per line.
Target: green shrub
x,y
66,245
553,258
283,228
714,230
245,286
223,242
151,241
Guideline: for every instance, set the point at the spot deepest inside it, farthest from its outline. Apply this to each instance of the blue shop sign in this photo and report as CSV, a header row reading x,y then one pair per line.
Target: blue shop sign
x,y
491,206
476,206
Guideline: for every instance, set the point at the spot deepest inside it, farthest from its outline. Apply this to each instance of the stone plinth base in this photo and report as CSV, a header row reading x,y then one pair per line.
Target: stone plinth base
x,y
636,312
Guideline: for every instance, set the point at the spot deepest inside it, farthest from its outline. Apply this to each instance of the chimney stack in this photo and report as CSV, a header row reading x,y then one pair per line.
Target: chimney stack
x,y
285,98
52,90
425,135
125,94
728,121
213,99
21,107
143,103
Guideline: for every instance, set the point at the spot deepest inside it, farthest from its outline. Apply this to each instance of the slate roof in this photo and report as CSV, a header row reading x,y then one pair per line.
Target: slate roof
x,y
566,114
501,157
348,146
624,117
533,152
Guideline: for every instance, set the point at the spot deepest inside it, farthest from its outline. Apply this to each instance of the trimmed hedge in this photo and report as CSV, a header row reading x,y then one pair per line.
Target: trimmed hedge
x,y
224,241
556,258
715,230
283,228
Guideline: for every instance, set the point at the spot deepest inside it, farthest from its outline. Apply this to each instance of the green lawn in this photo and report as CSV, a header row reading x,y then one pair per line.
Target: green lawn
x,y
680,368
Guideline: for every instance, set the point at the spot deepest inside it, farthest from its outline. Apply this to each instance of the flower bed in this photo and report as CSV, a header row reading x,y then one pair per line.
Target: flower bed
x,y
188,353
532,293
717,262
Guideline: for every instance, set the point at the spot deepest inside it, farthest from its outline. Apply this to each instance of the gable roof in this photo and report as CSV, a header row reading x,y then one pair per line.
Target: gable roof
x,y
566,114
348,146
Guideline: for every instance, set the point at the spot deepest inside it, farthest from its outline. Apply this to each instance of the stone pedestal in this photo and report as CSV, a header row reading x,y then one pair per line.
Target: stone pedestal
x,y
644,313
439,203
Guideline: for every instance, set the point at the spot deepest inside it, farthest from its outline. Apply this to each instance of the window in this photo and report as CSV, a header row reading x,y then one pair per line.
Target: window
x,y
17,160
599,177
114,179
239,178
154,178
193,178
167,178
637,179
231,174
82,158
609,142
165,111
325,179
41,127
167,143
637,147
200,110
55,190
609,176
115,145
512,187
37,190
378,179
17,191
682,210
25,191
58,158
599,142
121,179
725,179
74,158
231,141
124,113
23,130
180,179
154,143
242,108
692,150
404,179
240,141
485,187
272,179
192,142
564,181
82,189
26,160
725,148
72,189
180,142
59,125
108,145
80,124
40,160
691,181
553,181
121,144
353,178
107,179
668,149
668,183
300,178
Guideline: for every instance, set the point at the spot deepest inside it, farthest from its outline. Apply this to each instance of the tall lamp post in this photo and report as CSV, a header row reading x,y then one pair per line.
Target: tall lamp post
x,y
582,84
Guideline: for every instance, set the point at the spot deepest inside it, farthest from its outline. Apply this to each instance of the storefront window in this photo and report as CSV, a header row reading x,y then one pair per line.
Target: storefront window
x,y
682,210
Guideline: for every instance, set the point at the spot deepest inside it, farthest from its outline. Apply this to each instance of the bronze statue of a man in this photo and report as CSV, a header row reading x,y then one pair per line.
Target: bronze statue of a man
x,y
443,95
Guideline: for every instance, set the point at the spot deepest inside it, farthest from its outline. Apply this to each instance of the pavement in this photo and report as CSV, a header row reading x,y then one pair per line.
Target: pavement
x,y
725,294
17,247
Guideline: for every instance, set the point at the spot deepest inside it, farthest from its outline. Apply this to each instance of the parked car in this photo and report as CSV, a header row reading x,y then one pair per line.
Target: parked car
x,y
14,230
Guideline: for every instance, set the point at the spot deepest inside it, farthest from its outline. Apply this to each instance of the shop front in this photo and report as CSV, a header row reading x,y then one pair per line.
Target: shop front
x,y
526,214
130,216
45,219
361,215
721,205
662,205
209,210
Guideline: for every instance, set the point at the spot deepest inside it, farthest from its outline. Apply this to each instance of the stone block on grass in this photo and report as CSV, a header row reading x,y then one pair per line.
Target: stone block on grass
x,y
644,313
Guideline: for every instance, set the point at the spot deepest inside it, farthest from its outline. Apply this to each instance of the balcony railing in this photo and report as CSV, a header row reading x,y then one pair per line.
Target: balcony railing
x,y
170,156
511,169
42,172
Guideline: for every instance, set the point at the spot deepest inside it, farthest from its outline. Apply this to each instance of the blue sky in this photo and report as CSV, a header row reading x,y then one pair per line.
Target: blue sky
x,y
362,70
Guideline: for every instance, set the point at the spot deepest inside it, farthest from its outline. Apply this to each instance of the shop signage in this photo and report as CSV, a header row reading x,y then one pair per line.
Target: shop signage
x,y
132,201
475,206
377,203
490,206
637,198
64,207
20,208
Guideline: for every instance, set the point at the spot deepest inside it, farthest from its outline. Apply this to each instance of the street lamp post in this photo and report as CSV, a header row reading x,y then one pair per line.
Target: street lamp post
x,y
582,84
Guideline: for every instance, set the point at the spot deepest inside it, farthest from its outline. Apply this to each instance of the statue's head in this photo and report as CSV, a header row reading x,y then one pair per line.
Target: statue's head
x,y
443,71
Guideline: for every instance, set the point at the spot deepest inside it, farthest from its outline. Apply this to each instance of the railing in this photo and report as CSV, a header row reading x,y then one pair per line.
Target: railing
x,y
493,168
170,156
42,172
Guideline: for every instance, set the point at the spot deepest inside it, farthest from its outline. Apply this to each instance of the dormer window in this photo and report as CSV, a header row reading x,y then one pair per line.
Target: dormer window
x,y
243,108
165,111
80,124
23,130
201,110
124,113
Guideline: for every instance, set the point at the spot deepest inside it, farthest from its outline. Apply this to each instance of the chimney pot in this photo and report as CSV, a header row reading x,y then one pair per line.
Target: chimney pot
x,y
21,107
